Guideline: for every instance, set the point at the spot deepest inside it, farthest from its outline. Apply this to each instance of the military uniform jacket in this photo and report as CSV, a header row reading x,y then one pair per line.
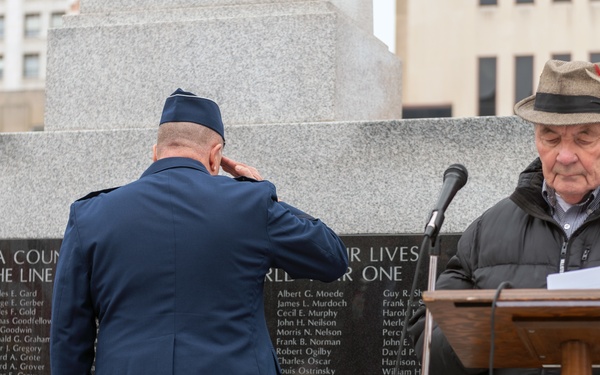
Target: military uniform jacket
x,y
167,273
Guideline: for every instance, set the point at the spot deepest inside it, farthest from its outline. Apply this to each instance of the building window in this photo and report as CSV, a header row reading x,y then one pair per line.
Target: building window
x,y
56,20
487,86
1,67
561,56
595,57
488,2
33,25
523,77
31,66
524,1
1,26
426,111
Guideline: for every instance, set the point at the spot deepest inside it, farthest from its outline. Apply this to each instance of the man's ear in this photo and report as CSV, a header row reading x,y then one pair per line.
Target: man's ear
x,y
154,153
214,159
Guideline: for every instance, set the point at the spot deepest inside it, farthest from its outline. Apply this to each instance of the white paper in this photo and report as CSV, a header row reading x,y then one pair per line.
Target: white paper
x,y
588,278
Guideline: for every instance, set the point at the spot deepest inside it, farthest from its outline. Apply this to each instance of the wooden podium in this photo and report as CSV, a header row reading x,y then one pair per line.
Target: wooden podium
x,y
533,327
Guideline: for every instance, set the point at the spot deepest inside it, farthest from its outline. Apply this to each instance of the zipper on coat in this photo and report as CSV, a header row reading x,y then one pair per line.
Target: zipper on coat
x,y
585,255
563,257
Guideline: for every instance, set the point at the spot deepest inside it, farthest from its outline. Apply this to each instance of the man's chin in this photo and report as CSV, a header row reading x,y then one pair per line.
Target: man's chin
x,y
571,195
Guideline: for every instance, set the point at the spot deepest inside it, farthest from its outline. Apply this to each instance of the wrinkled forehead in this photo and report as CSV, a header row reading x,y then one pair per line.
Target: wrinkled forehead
x,y
568,129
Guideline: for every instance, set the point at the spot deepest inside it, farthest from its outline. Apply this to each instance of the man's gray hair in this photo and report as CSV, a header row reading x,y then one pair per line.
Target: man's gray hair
x,y
186,135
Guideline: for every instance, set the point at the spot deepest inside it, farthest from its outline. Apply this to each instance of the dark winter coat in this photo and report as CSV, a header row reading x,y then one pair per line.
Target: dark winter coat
x,y
516,240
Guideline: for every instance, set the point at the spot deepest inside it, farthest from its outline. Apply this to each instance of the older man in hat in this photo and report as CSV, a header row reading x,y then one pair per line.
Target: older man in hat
x,y
550,223
166,273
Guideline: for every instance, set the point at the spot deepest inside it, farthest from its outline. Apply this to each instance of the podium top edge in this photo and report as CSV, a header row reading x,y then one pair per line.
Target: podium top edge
x,y
531,295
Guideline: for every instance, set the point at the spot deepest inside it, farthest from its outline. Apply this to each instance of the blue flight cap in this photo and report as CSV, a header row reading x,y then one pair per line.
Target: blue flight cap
x,y
183,106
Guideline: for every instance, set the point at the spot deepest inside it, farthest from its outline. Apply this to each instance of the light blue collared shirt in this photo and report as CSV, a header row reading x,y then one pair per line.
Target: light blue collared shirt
x,y
574,216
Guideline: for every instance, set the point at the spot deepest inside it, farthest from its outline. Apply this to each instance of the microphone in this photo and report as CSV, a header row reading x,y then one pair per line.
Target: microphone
x,y
455,177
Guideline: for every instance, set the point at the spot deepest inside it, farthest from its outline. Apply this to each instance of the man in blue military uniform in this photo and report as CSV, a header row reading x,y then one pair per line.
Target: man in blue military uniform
x,y
167,272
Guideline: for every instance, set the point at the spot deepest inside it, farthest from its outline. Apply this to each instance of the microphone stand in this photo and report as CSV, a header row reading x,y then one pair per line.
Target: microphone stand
x,y
455,177
434,252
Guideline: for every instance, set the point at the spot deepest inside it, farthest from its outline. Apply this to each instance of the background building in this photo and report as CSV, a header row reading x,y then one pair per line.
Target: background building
x,y
465,58
23,30
461,58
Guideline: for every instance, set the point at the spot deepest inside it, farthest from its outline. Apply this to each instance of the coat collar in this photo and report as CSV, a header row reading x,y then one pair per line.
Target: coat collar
x,y
168,163
528,194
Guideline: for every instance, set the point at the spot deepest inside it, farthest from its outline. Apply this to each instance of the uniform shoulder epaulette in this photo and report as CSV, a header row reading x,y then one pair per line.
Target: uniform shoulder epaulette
x,y
96,193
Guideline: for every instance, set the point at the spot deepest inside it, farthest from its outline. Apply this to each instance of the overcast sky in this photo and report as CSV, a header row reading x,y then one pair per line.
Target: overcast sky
x,y
384,12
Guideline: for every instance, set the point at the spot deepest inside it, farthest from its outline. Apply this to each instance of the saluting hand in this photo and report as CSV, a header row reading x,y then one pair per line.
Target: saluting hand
x,y
237,169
